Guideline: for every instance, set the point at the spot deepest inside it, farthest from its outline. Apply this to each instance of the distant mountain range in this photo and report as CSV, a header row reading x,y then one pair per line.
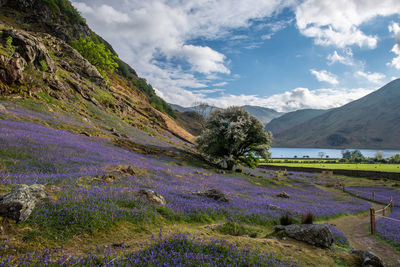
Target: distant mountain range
x,y
370,122
265,115
291,119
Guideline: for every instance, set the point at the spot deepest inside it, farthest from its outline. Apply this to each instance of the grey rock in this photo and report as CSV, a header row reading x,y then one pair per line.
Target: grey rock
x,y
3,109
279,228
215,194
369,259
315,234
30,48
151,196
283,195
20,202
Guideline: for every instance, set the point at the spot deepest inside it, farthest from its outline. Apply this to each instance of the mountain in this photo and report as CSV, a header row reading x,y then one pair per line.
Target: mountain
x,y
292,119
265,115
370,122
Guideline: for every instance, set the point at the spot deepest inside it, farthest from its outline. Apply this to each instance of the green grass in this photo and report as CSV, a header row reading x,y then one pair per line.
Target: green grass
x,y
337,166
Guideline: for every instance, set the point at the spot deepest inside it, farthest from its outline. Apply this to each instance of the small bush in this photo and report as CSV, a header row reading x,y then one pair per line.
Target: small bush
x,y
44,66
307,218
286,219
9,47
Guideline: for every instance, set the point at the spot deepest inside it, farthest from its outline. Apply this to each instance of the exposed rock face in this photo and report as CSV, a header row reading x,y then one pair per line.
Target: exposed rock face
x,y
151,196
19,203
315,234
215,194
46,19
13,68
283,195
369,259
3,109
30,48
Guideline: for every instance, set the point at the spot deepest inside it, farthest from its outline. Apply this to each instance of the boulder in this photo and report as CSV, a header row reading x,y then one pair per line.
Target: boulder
x,y
283,195
3,109
315,234
20,202
13,68
151,196
215,194
369,259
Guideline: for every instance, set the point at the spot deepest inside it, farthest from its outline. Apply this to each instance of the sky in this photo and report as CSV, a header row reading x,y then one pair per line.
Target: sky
x,y
280,54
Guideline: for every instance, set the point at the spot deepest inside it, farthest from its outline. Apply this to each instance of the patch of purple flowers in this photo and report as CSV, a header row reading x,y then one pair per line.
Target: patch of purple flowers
x,y
339,237
177,250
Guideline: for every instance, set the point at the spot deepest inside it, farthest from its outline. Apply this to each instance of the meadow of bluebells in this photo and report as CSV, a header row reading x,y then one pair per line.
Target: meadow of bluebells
x,y
382,194
176,250
68,163
385,228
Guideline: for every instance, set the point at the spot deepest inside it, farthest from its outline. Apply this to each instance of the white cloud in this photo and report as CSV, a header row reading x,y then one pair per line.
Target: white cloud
x,y
220,84
155,37
375,77
325,76
338,22
298,98
336,58
205,60
395,29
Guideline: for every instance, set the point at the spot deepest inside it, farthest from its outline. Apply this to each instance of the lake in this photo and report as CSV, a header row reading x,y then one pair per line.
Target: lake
x,y
283,152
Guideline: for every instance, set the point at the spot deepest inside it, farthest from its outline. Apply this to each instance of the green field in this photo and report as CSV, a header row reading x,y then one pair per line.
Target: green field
x,y
339,166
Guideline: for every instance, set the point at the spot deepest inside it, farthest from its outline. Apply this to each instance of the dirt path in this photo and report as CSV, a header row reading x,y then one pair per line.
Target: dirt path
x,y
356,230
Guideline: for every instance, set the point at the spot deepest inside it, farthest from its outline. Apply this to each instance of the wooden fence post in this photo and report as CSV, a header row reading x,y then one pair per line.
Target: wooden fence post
x,y
372,213
391,204
373,195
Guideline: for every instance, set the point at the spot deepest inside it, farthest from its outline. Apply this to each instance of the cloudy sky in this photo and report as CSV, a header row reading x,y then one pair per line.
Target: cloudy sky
x,y
281,54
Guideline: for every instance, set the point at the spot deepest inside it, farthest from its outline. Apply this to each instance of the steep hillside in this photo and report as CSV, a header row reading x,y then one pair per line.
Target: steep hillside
x,y
292,119
45,69
370,122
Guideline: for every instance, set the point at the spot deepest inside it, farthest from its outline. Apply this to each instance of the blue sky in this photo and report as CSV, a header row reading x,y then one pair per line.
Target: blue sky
x,y
285,55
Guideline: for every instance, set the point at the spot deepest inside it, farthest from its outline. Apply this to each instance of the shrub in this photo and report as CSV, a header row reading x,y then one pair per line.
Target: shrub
x,y
9,47
97,54
44,66
286,219
233,134
308,218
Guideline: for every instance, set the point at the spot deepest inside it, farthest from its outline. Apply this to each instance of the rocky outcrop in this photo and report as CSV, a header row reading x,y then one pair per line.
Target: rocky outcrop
x,y
215,194
283,195
30,48
49,18
20,202
315,234
11,68
369,259
151,196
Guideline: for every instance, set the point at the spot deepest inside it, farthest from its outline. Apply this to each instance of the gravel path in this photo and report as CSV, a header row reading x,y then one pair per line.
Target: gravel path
x,y
356,229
